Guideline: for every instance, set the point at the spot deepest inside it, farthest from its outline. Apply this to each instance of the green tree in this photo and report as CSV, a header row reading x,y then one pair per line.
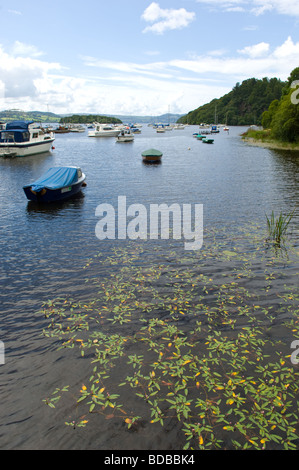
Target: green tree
x,y
267,116
285,122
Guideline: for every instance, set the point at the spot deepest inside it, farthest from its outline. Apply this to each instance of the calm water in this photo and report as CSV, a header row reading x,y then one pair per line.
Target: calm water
x,y
44,249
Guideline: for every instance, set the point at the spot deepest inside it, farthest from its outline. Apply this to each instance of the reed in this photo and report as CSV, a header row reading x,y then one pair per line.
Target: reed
x,y
277,227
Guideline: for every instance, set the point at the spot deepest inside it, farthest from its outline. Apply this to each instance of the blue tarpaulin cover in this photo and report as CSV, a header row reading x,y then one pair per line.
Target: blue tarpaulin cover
x,y
55,178
18,125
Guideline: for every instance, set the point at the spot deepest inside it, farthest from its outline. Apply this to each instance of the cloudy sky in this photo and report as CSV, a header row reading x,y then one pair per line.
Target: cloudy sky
x,y
140,57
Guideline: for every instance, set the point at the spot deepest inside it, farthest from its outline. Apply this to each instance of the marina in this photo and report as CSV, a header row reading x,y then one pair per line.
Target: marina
x,y
49,251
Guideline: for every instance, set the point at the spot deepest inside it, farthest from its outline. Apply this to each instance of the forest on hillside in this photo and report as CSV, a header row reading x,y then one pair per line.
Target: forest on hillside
x,y
89,118
244,105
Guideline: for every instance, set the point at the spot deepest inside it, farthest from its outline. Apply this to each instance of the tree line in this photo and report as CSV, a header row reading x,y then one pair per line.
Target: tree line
x,y
89,118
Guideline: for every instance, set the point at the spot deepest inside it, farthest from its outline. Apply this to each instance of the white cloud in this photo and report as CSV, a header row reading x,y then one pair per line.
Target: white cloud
x,y
288,49
166,19
15,12
22,49
19,75
119,87
257,50
256,7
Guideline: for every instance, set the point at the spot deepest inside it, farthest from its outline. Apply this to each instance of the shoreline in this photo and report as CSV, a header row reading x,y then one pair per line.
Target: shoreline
x,y
271,144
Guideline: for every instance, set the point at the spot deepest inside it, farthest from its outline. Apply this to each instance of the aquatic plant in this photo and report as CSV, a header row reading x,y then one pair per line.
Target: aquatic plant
x,y
167,342
277,227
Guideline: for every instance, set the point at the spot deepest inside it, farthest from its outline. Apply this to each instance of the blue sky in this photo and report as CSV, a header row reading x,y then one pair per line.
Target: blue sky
x,y
140,57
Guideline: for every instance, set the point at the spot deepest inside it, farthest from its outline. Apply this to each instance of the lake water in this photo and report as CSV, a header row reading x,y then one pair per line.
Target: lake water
x,y
44,251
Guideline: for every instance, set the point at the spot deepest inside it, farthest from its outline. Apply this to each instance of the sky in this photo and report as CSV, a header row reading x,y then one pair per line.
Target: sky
x,y
140,57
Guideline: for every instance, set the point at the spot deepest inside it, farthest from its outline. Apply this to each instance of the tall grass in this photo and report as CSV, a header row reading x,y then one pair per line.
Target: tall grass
x,y
277,227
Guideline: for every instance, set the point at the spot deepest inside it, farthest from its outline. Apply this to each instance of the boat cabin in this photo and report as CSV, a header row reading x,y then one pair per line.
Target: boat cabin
x,y
19,131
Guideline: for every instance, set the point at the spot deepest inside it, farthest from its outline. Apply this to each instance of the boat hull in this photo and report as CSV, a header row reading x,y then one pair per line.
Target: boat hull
x,y
109,133
152,158
124,139
26,149
54,195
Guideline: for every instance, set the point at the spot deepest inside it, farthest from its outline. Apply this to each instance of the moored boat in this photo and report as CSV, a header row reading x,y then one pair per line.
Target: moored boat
x,y
22,138
62,130
77,128
207,141
104,130
56,184
152,155
125,136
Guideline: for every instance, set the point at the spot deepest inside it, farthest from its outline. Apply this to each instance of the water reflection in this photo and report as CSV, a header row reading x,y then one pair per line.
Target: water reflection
x,y
55,208
153,163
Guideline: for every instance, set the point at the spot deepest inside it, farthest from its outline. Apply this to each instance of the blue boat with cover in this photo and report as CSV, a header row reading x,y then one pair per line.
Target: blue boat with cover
x,y
56,184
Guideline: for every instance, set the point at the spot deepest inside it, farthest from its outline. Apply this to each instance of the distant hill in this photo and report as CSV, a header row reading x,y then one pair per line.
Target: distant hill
x,y
244,105
40,116
84,118
19,115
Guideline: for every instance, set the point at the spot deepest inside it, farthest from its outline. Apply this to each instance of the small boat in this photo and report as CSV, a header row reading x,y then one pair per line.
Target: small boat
x,y
200,136
23,138
152,155
135,129
77,128
62,130
56,184
207,141
104,130
125,136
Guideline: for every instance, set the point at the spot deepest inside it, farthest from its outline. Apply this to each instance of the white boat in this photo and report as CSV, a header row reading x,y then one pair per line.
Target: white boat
x,y
125,136
22,138
104,130
77,128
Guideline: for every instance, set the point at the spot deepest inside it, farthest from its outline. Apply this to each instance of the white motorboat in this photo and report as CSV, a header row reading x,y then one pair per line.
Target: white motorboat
x,y
125,136
104,130
22,138
77,128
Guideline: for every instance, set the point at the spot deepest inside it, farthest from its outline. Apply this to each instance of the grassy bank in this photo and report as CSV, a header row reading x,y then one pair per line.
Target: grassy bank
x,y
262,138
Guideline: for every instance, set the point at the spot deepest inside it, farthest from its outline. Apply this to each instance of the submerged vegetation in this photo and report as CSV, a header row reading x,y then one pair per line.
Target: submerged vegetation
x,y
176,342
